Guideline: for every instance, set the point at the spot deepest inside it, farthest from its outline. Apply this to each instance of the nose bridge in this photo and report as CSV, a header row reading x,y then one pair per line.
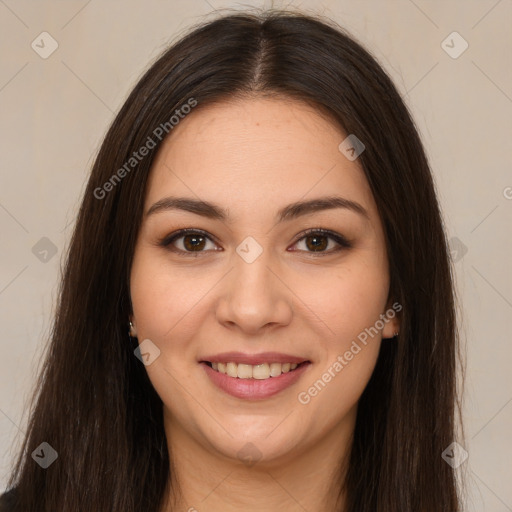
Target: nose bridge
x,y
254,296
253,276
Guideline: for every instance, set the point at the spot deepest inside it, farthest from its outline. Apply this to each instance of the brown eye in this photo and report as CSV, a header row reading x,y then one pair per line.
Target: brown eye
x,y
318,241
188,241
193,242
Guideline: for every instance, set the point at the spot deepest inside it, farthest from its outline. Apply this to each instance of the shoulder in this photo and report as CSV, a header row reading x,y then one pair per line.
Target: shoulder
x,y
7,501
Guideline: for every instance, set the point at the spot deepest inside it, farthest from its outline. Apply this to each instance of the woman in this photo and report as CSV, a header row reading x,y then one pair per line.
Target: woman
x,y
262,218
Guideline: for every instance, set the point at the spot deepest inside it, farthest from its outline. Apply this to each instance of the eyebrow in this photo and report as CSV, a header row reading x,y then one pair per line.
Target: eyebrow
x,y
289,212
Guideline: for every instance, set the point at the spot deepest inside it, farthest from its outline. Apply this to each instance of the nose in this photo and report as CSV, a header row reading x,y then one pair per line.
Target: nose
x,y
254,297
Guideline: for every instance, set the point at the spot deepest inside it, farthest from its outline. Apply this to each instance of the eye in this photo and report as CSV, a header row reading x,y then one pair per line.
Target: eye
x,y
316,240
191,241
195,241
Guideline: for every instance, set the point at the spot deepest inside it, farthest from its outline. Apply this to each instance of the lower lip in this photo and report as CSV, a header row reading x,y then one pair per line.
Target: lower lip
x,y
254,389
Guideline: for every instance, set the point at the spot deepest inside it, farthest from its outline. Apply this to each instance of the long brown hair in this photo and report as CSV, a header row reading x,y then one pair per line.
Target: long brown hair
x,y
94,402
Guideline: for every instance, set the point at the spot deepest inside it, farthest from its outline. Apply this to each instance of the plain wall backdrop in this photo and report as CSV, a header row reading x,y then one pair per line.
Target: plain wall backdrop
x,y
55,109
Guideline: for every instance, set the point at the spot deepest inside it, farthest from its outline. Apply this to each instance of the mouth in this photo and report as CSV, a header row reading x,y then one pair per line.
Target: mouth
x,y
261,371
254,376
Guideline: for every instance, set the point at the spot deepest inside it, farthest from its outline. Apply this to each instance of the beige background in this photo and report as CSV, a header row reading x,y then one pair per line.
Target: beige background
x,y
55,111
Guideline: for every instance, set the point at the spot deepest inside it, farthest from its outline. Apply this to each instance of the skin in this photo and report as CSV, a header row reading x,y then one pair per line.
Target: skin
x,y
254,156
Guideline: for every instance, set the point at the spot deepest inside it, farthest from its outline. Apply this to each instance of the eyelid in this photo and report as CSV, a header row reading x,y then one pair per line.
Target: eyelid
x,y
341,240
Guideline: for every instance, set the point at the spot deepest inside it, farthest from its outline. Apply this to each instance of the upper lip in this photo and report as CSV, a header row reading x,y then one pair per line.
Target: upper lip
x,y
253,359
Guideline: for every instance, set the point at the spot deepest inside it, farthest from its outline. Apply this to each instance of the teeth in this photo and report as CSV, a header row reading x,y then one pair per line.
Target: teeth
x,y
261,371
258,371
244,371
275,369
231,369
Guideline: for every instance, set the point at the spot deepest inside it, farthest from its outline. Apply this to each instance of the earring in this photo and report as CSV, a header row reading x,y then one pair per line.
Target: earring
x,y
131,332
396,334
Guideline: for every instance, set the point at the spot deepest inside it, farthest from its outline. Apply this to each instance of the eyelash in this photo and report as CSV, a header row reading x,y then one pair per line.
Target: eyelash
x,y
342,242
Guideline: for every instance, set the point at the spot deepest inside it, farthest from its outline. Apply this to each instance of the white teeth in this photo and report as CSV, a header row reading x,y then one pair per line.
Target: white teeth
x,y
259,371
244,371
275,369
231,369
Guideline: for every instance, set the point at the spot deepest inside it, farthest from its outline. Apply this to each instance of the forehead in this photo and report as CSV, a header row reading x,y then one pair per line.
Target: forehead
x,y
256,152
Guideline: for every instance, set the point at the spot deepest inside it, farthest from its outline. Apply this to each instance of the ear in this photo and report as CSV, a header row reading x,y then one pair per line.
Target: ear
x,y
391,317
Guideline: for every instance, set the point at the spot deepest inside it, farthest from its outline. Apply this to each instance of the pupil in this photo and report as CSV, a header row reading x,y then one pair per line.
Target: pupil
x,y
317,245
196,242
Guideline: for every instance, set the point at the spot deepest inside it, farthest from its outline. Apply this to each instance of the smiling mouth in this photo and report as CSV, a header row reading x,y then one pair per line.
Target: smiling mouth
x,y
258,371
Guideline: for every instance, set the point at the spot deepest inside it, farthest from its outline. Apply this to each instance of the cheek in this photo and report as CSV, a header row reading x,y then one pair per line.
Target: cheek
x,y
333,393
351,304
163,299
350,309
346,301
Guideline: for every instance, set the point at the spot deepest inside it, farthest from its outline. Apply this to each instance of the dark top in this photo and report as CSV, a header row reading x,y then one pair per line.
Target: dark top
x,y
7,501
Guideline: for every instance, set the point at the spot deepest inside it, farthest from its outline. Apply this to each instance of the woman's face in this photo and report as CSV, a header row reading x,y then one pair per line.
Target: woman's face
x,y
247,285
